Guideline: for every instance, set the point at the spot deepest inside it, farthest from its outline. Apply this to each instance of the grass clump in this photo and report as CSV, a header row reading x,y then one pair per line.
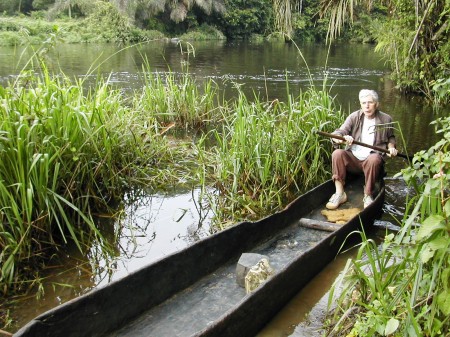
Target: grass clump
x,y
203,33
267,152
174,98
65,153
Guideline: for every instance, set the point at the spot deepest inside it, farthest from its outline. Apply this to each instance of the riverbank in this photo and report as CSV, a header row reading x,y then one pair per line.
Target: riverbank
x,y
16,31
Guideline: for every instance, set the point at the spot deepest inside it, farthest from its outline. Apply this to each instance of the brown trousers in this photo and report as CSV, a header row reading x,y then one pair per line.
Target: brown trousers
x,y
344,160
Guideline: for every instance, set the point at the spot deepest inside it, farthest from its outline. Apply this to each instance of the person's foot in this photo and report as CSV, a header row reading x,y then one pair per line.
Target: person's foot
x,y
367,200
336,200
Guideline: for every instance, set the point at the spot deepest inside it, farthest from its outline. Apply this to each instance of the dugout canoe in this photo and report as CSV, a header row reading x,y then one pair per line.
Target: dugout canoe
x,y
194,292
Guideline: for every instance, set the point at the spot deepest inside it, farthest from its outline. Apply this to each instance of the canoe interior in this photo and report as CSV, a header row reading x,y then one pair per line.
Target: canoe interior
x,y
194,292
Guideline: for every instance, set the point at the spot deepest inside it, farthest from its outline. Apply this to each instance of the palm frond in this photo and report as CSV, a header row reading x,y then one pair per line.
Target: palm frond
x,y
179,13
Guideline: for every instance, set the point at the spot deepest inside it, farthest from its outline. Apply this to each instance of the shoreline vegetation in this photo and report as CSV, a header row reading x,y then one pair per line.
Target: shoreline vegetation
x,y
15,31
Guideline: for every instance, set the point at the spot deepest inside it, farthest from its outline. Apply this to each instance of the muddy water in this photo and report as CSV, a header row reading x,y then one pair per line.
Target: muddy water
x,y
156,225
152,226
304,314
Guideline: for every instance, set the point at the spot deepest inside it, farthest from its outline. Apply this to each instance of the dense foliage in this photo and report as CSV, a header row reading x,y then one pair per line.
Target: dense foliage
x,y
244,18
403,287
413,37
234,18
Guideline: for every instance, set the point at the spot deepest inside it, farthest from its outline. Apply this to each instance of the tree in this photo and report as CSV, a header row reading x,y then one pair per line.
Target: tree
x,y
83,7
15,6
246,17
414,38
283,13
283,17
177,9
42,4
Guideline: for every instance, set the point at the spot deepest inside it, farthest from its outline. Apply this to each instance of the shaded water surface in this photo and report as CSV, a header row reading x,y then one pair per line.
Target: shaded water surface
x,y
157,225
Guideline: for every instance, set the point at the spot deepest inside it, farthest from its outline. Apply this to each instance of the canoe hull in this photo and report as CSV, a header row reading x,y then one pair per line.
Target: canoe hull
x,y
248,319
107,309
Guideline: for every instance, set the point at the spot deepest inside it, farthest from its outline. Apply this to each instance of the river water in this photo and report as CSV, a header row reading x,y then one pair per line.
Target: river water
x,y
157,225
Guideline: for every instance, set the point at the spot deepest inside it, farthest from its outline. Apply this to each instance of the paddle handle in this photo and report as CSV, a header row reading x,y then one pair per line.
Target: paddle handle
x,y
377,148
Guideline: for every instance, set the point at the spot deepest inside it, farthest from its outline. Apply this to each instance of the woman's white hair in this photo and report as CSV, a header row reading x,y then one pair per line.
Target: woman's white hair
x,y
366,92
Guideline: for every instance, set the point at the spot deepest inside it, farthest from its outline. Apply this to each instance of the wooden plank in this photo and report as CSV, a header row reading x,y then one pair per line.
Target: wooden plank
x,y
318,224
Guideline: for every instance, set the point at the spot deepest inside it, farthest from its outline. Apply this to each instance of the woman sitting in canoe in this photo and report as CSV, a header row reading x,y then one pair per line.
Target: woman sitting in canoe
x,y
370,126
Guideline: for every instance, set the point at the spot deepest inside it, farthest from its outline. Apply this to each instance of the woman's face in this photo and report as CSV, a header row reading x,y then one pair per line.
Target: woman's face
x,y
368,106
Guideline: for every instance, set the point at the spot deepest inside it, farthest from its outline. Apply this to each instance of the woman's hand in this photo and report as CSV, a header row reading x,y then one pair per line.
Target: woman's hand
x,y
392,152
348,140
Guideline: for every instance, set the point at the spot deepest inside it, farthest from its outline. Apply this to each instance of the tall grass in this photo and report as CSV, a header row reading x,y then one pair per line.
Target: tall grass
x,y
65,153
403,287
267,152
170,98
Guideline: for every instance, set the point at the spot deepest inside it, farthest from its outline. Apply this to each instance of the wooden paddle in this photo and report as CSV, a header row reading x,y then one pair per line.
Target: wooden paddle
x,y
377,148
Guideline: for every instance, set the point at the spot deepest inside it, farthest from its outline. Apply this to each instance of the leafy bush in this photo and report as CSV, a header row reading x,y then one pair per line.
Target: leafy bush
x,y
243,18
204,32
10,39
105,24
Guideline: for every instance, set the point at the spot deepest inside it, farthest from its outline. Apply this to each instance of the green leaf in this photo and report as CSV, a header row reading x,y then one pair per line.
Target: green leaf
x,y
447,207
443,301
445,277
439,243
391,326
428,250
429,226
426,253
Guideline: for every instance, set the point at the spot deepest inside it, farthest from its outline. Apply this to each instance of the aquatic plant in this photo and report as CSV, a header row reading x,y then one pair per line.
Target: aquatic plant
x,y
65,153
177,98
267,152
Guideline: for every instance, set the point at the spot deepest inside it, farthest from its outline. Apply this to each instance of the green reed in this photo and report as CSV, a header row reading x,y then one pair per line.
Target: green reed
x,y
177,98
65,153
267,152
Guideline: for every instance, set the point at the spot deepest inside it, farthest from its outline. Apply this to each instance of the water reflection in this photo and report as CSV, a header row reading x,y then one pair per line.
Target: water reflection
x,y
305,313
153,226
149,227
